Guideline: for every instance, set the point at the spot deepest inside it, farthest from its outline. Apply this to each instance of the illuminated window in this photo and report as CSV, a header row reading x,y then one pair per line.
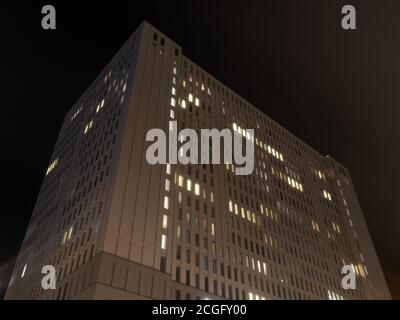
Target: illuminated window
x,y
236,209
189,185
197,189
88,127
178,232
180,182
230,206
52,167
213,248
65,237
173,102
167,185
175,71
183,104
212,229
70,233
168,170
24,271
180,197
327,195
197,102
166,203
165,221
190,97
173,91
163,242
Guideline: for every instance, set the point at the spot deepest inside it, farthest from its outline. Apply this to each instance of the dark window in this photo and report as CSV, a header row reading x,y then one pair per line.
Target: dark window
x,y
163,264
188,278
178,274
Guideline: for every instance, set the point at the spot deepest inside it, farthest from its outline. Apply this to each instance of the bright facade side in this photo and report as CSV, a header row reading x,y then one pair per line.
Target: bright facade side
x,y
117,228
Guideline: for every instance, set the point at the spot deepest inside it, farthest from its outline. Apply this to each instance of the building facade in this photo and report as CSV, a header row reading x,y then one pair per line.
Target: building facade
x,y
116,227
6,270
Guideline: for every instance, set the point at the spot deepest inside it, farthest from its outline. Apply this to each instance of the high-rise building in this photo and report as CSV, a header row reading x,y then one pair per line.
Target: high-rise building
x,y
116,227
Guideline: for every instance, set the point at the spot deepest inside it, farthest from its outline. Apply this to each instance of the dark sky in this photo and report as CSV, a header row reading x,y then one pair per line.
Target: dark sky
x,y
337,90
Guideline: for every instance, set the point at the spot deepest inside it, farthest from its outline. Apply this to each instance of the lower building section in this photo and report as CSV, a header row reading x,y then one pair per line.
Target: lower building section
x,y
120,279
107,277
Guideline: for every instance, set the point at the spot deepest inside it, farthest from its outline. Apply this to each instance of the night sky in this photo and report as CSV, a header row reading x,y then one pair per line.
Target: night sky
x,y
337,90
